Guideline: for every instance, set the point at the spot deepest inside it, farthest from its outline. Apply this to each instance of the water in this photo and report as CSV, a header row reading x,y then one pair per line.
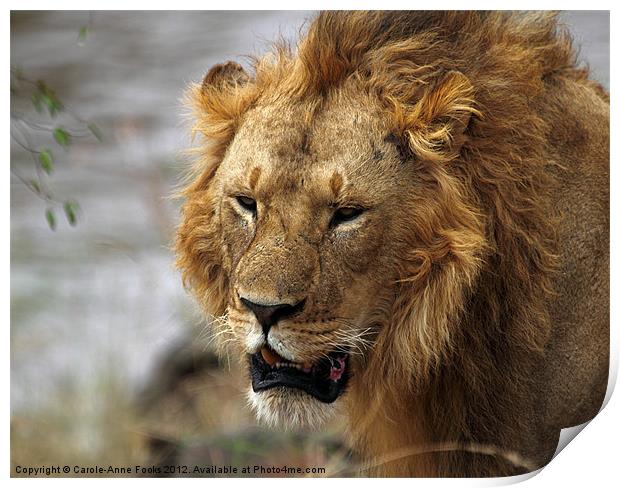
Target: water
x,y
103,299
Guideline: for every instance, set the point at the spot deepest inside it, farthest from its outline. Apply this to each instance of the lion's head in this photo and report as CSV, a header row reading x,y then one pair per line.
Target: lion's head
x,y
325,247
331,225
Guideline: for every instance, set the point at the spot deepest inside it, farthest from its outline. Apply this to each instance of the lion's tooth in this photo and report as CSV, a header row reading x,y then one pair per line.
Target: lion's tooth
x,y
305,367
269,356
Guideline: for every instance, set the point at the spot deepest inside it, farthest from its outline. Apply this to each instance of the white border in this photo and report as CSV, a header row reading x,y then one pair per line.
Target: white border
x,y
590,459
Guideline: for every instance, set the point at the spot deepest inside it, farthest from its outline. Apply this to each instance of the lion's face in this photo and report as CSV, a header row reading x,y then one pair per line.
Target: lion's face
x,y
307,211
331,255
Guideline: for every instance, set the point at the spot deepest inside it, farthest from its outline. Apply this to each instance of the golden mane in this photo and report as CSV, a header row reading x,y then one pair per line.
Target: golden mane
x,y
452,85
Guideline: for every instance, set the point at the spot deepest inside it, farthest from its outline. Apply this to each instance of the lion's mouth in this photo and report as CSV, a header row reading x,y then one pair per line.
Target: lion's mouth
x,y
325,379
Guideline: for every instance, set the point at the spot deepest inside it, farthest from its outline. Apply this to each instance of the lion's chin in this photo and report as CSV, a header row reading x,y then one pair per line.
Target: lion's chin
x,y
290,409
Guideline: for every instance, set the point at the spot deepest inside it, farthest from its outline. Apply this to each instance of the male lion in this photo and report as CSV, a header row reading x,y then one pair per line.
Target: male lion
x,y
406,220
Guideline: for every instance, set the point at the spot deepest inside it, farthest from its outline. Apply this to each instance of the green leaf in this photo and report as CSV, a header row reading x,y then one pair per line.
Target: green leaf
x,y
70,208
82,35
36,101
51,218
62,137
47,161
48,98
52,104
35,185
94,129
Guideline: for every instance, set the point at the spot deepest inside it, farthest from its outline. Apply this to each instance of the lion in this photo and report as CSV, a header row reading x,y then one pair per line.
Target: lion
x,y
405,221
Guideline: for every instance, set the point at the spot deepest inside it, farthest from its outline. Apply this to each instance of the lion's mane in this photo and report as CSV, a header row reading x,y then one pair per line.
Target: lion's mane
x,y
470,319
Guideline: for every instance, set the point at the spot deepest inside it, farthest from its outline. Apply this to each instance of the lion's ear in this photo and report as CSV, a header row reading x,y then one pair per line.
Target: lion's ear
x,y
218,104
449,106
224,75
434,127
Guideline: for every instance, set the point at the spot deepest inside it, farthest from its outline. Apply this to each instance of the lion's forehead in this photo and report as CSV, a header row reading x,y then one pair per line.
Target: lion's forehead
x,y
286,150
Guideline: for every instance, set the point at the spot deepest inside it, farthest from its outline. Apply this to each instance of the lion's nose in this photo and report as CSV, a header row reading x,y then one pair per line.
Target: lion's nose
x,y
268,315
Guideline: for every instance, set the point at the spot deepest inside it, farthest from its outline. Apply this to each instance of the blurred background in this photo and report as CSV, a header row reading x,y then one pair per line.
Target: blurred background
x,y
111,362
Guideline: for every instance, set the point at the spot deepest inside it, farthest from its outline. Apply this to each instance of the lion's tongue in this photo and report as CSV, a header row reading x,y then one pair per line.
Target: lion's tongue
x,y
337,369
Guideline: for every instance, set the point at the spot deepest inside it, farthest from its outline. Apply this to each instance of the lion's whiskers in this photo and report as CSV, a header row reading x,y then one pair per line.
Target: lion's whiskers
x,y
221,330
355,338
352,339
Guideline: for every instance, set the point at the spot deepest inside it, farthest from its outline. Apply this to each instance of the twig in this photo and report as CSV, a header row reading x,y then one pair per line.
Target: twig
x,y
511,456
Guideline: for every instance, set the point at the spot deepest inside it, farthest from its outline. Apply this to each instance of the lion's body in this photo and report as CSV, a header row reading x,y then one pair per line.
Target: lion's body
x,y
566,385
486,284
572,380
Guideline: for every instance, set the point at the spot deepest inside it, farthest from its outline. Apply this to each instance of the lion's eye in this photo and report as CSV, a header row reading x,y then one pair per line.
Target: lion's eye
x,y
345,214
247,203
